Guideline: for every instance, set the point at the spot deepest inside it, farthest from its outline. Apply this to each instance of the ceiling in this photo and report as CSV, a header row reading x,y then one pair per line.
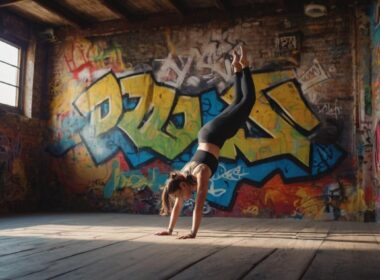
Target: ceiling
x,y
88,13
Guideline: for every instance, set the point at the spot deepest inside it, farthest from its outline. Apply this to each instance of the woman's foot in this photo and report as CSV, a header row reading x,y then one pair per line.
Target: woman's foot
x,y
235,62
243,58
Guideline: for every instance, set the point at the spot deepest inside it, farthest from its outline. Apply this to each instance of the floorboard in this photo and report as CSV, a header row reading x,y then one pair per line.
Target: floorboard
x,y
350,251
123,246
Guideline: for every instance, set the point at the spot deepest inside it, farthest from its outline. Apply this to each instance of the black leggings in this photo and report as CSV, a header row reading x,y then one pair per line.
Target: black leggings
x,y
228,122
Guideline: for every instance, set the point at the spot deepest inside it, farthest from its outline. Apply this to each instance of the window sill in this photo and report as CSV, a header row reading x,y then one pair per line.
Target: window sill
x,y
10,109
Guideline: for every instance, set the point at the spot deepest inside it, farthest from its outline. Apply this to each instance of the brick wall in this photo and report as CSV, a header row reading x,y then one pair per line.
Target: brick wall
x,y
297,159
21,137
305,168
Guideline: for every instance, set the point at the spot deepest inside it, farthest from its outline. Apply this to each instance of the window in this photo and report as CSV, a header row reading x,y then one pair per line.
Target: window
x,y
10,64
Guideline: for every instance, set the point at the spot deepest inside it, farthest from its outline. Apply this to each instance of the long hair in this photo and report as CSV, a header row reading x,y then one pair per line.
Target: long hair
x,y
172,185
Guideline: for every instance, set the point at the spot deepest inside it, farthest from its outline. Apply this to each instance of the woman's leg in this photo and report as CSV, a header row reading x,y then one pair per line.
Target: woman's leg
x,y
238,75
230,120
247,85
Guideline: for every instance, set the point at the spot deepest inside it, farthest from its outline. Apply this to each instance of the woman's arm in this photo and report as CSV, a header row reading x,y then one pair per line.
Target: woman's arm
x,y
175,213
202,180
173,217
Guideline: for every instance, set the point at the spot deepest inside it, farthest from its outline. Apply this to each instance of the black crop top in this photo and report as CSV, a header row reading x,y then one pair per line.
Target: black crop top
x,y
207,158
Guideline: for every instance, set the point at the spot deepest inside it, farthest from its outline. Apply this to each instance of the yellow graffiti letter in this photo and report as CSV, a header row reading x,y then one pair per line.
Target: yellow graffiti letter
x,y
285,139
105,89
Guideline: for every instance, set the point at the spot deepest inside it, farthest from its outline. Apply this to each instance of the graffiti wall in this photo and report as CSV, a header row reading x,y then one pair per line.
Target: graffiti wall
x,y
375,125
126,110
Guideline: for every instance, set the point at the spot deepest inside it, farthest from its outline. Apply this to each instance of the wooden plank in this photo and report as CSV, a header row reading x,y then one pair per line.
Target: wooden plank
x,y
293,257
97,246
350,251
375,229
160,259
48,242
71,256
166,260
64,256
177,260
179,7
224,5
162,256
17,246
64,12
118,8
6,3
229,262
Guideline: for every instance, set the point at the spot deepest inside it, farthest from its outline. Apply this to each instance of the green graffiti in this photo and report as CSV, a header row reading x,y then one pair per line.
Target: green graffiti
x,y
149,125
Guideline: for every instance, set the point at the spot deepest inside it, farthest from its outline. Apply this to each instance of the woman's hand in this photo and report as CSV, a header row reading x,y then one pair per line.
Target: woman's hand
x,y
190,235
165,232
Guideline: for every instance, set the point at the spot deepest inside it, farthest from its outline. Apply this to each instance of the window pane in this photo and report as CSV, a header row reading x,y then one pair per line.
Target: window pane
x,y
8,74
8,95
9,53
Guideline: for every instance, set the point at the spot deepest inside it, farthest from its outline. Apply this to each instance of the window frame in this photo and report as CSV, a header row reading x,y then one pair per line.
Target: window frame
x,y
18,108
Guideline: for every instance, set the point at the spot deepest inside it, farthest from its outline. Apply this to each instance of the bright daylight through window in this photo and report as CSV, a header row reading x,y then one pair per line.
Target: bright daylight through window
x,y
9,73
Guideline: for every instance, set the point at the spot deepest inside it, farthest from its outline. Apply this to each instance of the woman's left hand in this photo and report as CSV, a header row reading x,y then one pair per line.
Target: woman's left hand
x,y
187,236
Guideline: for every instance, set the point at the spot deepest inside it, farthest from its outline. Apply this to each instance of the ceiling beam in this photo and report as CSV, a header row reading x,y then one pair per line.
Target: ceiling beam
x,y
196,16
5,3
117,7
64,12
224,5
179,7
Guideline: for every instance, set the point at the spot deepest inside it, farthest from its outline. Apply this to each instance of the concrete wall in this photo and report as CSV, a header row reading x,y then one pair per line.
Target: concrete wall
x,y
126,108
22,156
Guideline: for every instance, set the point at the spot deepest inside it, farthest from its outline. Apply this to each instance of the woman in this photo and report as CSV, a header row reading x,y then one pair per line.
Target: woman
x,y
195,175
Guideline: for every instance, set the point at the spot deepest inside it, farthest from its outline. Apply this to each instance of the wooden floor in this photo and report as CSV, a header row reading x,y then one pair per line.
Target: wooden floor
x,y
122,246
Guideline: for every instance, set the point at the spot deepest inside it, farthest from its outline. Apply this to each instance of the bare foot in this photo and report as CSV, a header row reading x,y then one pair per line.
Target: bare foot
x,y
243,58
235,62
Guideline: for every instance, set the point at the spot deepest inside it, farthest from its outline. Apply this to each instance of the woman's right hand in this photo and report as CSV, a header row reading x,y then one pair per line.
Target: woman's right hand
x,y
165,232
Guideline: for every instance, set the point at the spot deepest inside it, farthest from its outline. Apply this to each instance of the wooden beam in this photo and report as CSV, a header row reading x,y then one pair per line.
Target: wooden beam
x,y
64,12
5,3
118,8
179,7
224,5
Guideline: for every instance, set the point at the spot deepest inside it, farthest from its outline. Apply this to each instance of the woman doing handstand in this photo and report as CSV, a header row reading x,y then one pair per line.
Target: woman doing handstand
x,y
195,175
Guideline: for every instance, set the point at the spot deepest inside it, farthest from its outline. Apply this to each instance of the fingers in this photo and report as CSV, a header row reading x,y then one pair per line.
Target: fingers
x,y
183,237
187,236
162,233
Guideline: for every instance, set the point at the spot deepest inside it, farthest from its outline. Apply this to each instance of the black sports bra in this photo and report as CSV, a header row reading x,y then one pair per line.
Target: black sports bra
x,y
207,158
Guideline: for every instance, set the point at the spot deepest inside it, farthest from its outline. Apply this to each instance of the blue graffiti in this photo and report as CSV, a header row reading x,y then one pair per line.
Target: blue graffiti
x,y
133,179
324,158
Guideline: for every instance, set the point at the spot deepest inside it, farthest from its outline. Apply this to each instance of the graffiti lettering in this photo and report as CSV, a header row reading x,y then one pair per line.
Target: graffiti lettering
x,y
332,110
314,75
287,98
105,93
83,58
234,174
211,60
150,124
140,117
174,73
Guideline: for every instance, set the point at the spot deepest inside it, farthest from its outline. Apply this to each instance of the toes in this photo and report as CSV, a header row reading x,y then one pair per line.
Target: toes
x,y
243,52
235,55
